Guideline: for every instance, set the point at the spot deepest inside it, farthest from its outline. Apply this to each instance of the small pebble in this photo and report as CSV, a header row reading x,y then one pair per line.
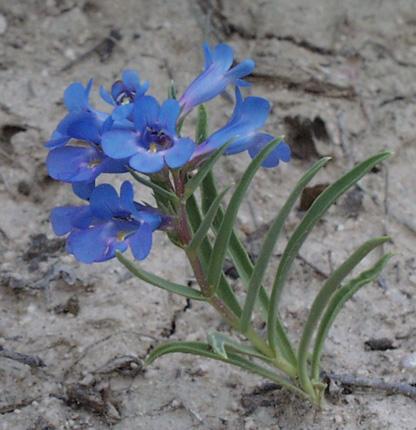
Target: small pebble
x,y
176,404
70,54
409,362
3,24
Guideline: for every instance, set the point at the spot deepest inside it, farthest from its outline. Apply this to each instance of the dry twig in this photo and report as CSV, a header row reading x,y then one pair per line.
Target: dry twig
x,y
29,360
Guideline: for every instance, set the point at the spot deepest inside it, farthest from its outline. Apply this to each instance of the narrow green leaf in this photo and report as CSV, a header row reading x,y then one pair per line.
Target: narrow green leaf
x,y
201,132
172,94
205,225
225,292
335,305
205,168
205,350
208,194
220,343
157,281
243,264
164,194
315,212
269,243
322,299
222,241
236,249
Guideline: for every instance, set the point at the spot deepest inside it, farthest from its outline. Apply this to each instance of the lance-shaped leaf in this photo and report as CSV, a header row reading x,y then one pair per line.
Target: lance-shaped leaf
x,y
225,292
205,350
203,171
269,243
157,281
224,233
243,264
206,223
335,305
157,189
315,212
201,132
236,249
322,299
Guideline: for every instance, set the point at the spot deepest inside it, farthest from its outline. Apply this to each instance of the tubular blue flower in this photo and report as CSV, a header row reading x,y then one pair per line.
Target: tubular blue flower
x,y
153,143
81,158
76,100
108,224
216,76
82,121
123,93
240,131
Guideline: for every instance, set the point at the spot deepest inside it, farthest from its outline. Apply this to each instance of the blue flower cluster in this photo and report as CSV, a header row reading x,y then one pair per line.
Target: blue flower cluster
x,y
141,134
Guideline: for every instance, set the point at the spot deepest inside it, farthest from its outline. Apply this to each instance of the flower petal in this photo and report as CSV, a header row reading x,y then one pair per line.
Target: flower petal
x,y
254,112
83,189
168,116
123,111
89,246
104,201
285,153
74,164
106,96
81,125
207,55
147,162
83,218
76,97
110,165
61,219
241,70
127,196
117,89
146,111
280,153
240,144
179,153
57,139
131,79
223,56
141,241
119,143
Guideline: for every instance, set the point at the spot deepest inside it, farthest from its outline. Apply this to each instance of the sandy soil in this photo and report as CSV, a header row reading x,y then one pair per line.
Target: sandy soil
x,y
342,79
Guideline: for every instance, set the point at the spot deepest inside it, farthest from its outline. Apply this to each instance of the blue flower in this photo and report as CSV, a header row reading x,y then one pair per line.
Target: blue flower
x,y
153,143
82,120
123,93
80,159
108,224
216,76
76,100
75,154
249,115
241,132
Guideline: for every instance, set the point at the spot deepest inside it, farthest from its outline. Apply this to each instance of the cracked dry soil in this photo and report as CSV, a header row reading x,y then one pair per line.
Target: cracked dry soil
x,y
342,79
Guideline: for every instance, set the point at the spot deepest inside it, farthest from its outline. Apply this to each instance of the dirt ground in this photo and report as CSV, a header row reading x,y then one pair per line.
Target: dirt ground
x,y
342,79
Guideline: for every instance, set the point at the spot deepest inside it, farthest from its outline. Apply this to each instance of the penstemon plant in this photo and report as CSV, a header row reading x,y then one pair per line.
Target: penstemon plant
x,y
142,138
